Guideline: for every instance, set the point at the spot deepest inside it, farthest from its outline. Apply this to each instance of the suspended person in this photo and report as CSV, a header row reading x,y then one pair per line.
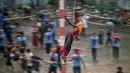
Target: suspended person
x,y
48,40
77,59
116,45
94,46
76,18
109,27
53,57
101,37
71,36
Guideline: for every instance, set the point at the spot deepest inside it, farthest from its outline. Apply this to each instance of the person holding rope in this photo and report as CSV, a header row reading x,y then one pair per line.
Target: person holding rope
x,y
72,35
53,58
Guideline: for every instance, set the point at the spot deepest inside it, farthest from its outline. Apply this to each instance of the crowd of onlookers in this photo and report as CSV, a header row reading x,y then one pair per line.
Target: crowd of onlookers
x,y
13,43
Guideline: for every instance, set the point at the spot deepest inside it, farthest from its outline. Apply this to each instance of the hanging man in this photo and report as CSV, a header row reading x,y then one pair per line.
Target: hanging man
x,y
72,35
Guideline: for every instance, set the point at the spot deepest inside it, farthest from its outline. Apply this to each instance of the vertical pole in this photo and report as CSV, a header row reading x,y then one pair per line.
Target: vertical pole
x,y
62,29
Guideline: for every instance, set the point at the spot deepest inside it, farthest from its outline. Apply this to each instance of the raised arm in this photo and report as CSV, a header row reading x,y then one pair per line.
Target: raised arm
x,y
69,22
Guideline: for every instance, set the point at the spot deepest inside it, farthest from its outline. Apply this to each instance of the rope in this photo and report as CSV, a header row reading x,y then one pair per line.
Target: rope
x,y
74,11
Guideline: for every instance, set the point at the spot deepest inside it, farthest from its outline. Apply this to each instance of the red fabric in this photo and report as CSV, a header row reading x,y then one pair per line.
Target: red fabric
x,y
72,35
116,37
76,19
77,52
35,40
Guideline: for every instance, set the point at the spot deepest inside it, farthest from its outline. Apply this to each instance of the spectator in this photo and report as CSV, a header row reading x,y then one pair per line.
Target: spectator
x,y
35,40
58,52
41,30
53,57
119,70
48,40
77,60
8,31
28,57
109,28
2,42
1,19
94,45
20,39
85,25
36,63
101,37
53,25
116,45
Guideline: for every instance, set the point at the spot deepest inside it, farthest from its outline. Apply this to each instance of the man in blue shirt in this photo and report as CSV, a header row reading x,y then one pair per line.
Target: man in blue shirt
x,y
94,45
53,57
77,60
48,40
21,38
2,42
116,45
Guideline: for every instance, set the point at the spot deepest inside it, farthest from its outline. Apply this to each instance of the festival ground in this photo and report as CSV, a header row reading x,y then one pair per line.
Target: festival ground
x,y
104,64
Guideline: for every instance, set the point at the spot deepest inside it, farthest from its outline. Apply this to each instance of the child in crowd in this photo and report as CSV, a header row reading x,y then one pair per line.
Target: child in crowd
x,y
101,37
35,39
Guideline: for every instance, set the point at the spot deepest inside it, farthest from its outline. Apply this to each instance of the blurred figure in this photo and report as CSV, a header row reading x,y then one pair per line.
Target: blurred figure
x,y
42,31
119,70
8,31
77,60
94,46
1,19
29,64
58,52
35,39
116,45
36,62
101,37
109,27
21,39
48,40
85,25
53,57
2,42
53,27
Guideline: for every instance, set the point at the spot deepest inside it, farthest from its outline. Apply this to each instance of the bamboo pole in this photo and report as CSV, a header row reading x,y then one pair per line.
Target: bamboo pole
x,y
62,30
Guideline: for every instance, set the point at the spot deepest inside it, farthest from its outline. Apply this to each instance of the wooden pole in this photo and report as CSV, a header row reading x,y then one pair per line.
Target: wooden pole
x,y
62,30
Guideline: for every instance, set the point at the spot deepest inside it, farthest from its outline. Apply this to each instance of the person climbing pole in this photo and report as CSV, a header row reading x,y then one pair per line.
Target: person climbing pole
x,y
71,36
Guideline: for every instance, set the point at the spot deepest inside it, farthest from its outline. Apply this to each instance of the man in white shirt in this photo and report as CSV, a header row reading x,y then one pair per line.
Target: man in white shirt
x,y
85,25
109,27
